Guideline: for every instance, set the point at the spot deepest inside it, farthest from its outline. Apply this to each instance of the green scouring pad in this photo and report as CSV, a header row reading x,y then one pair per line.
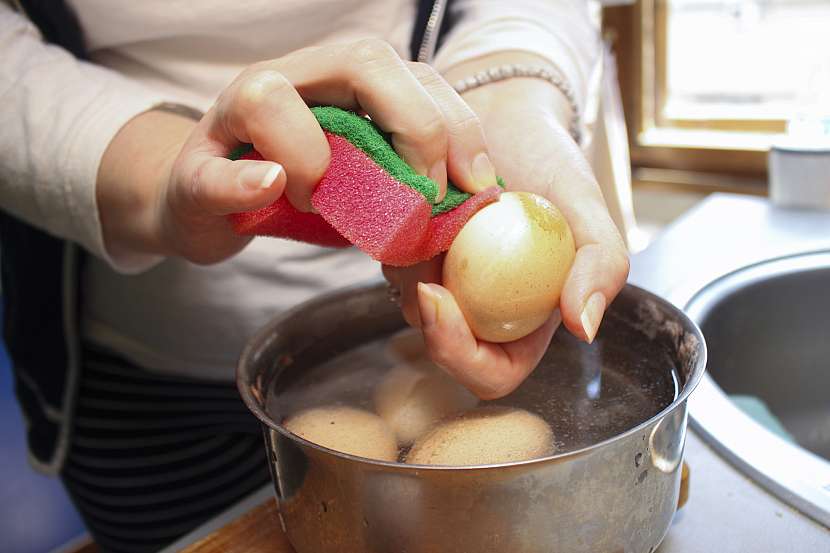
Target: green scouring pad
x,y
369,197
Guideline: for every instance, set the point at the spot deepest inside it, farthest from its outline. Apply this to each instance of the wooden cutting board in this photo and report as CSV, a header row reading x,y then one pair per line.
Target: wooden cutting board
x,y
257,531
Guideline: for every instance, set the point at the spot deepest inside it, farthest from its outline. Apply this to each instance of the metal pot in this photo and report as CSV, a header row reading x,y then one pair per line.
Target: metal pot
x,y
618,495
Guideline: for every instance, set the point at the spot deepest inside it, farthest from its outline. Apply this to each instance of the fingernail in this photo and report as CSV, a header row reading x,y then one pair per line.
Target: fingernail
x,y
438,173
592,315
484,174
260,175
428,304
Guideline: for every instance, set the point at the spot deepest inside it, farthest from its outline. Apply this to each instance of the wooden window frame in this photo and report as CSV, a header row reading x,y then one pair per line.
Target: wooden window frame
x,y
701,154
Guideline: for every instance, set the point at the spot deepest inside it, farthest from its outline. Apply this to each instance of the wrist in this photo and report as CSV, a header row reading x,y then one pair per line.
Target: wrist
x,y
520,95
132,177
520,98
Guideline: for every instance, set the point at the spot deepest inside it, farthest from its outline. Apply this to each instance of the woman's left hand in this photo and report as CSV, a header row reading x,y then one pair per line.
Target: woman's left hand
x,y
525,123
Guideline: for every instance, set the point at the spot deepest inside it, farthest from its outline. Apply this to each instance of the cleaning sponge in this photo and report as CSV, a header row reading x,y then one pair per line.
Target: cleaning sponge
x,y
283,220
368,197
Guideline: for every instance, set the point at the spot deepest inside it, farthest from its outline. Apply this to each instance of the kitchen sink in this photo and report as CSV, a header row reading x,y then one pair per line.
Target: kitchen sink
x,y
765,401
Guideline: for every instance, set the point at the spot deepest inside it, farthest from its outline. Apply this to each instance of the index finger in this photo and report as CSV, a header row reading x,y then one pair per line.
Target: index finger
x,y
369,76
468,161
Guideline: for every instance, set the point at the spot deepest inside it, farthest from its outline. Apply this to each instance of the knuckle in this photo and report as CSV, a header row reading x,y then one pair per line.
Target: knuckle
x,y
197,183
616,252
242,107
439,357
257,67
466,122
615,260
622,262
432,131
371,51
495,388
260,87
424,71
200,187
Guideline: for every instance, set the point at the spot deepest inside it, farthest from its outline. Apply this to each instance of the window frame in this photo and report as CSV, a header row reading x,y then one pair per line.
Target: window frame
x,y
712,154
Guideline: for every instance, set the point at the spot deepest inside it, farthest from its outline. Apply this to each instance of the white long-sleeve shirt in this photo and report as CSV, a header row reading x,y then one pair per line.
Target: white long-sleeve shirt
x,y
58,115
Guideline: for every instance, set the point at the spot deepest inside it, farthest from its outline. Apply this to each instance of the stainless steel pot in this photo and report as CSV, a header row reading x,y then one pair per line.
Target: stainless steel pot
x,y
618,495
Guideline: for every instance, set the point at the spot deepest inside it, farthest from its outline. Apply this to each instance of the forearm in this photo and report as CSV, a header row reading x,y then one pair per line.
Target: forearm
x,y
60,114
134,168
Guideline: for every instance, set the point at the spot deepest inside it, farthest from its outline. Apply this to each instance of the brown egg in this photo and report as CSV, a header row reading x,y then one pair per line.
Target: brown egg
x,y
412,397
507,266
407,346
346,429
485,435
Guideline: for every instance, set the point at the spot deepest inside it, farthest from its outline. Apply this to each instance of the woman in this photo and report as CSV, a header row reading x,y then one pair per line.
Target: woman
x,y
124,154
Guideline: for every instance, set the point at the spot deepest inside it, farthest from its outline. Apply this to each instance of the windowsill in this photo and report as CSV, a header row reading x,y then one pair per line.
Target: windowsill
x,y
708,139
698,181
656,208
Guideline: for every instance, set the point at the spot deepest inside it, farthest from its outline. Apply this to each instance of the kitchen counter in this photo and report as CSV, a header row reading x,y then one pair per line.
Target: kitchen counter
x,y
726,512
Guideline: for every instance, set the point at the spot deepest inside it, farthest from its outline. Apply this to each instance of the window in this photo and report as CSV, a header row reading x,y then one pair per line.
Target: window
x,y
708,85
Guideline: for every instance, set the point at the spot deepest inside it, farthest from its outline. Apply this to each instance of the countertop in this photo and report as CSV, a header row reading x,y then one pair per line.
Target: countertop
x,y
726,512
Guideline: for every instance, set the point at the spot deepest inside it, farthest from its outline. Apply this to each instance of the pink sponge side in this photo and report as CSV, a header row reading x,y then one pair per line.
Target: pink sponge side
x,y
383,217
284,220
281,219
360,203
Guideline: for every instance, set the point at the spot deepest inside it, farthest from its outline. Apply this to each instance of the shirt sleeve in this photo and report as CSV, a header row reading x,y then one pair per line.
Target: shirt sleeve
x,y
58,116
561,31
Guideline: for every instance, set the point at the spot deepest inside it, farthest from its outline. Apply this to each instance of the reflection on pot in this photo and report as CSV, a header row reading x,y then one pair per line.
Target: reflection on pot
x,y
667,440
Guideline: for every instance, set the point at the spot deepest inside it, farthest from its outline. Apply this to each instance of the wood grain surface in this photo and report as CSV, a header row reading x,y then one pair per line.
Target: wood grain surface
x,y
257,531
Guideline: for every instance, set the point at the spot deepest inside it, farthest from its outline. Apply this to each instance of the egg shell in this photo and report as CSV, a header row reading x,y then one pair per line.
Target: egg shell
x,y
406,346
346,429
508,265
412,397
486,435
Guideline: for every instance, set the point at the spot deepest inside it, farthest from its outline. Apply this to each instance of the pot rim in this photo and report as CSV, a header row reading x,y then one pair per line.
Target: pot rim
x,y
267,332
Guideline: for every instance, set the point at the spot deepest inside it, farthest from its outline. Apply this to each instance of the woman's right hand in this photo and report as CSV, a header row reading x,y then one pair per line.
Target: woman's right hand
x,y
165,184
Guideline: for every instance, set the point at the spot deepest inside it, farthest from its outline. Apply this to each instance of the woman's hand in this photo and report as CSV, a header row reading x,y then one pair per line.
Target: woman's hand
x,y
525,122
165,185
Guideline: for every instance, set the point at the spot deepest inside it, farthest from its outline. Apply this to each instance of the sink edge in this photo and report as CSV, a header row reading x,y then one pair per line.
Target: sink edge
x,y
790,472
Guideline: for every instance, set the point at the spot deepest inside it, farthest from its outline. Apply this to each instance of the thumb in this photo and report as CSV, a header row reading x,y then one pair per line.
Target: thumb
x,y
221,186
